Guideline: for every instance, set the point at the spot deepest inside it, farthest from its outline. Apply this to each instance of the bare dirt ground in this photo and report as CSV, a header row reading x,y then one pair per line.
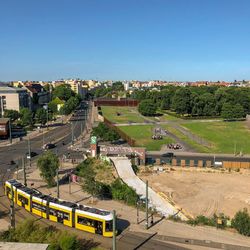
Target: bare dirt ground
x,y
204,193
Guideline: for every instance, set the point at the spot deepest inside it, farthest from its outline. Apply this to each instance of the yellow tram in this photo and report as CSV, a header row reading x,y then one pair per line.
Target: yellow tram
x,y
70,214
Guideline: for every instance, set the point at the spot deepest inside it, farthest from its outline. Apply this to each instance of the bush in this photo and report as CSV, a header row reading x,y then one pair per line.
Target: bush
x,y
121,191
203,220
213,222
241,222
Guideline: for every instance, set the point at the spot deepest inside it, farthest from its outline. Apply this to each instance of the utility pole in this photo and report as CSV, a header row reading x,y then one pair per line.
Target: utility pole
x,y
10,131
69,183
146,223
114,230
137,211
57,182
12,209
24,173
81,127
72,133
29,151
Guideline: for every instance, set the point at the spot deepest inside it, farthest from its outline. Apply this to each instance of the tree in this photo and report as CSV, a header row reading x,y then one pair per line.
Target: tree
x,y
11,114
63,92
26,117
147,108
241,222
70,105
48,164
238,111
181,101
230,111
52,106
105,133
41,116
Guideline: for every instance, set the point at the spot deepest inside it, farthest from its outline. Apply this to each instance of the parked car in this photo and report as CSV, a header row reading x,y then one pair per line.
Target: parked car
x,y
48,146
31,154
169,155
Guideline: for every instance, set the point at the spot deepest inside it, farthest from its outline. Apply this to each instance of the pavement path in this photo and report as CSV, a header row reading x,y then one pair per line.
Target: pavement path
x,y
125,171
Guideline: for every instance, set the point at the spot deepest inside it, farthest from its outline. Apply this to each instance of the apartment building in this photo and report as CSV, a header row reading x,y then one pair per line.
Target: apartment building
x,y
78,86
13,98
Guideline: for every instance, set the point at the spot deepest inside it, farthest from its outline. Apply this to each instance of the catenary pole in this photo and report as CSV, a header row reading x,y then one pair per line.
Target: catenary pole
x,y
12,210
114,231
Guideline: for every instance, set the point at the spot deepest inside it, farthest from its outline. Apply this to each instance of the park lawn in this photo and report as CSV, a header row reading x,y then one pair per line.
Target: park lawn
x,y
127,114
142,135
223,135
198,147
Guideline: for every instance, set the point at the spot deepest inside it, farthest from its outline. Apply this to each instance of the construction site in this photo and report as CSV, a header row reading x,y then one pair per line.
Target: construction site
x,y
200,191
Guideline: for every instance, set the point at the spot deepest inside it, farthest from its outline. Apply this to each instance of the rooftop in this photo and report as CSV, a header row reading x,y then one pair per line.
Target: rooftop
x,y
6,89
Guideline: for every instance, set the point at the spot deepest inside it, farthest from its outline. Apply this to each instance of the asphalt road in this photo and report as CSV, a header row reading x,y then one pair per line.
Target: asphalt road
x,y
60,135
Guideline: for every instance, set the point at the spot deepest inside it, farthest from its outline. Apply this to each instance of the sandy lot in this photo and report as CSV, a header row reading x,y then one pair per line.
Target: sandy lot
x,y
203,192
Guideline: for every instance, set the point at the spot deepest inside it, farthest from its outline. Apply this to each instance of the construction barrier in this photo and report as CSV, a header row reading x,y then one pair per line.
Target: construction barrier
x,y
233,164
206,163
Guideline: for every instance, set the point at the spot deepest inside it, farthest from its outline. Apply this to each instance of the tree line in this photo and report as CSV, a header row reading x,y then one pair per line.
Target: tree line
x,y
227,102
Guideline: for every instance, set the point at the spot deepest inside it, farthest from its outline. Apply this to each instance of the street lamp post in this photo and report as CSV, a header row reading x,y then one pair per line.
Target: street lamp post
x,y
10,132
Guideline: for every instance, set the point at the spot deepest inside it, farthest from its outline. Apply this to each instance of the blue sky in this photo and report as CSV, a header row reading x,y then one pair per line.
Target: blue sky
x,y
125,39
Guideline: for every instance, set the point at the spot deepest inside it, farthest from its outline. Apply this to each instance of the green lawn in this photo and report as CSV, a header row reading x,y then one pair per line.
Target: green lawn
x,y
223,135
127,114
142,134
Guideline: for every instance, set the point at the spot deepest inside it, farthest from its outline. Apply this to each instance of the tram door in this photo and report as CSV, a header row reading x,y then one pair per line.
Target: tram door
x,y
60,217
98,227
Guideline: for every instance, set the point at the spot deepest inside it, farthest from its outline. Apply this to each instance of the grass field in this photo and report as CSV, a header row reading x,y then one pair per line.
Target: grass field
x,y
127,114
225,136
142,135
197,147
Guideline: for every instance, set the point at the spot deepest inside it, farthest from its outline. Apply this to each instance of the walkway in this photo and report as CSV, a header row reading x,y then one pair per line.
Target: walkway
x,y
126,173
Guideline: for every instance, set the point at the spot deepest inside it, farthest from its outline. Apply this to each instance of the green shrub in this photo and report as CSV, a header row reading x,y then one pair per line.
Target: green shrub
x,y
213,221
241,222
121,191
30,231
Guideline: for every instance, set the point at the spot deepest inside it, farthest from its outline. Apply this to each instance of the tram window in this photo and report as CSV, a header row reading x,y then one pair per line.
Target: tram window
x,y
59,214
23,199
38,207
52,212
85,221
65,216
109,226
